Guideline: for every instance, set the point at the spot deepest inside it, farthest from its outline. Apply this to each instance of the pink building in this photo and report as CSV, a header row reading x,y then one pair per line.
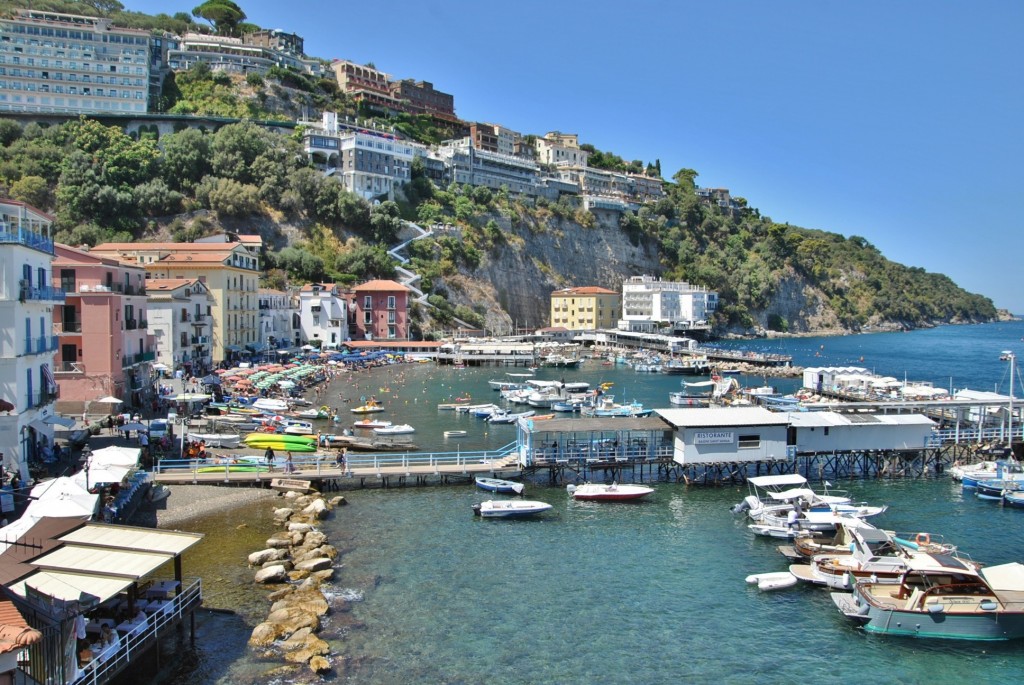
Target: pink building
x,y
103,348
379,311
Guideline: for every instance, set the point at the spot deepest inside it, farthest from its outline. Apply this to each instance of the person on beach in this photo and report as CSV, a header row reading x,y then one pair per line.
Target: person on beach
x,y
269,456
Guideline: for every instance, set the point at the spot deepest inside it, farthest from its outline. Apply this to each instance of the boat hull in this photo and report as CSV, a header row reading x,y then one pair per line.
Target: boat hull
x,y
498,485
507,509
610,493
991,625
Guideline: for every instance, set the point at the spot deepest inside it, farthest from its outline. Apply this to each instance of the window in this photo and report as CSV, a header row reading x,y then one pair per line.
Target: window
x,y
391,301
391,317
391,331
749,442
368,302
367,318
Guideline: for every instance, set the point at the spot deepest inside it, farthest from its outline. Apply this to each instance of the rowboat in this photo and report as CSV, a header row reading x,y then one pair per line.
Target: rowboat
x,y
499,485
509,508
597,492
455,434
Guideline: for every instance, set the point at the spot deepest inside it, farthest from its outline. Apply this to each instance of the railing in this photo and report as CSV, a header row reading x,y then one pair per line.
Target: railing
x,y
45,292
41,398
69,327
136,643
27,238
41,345
143,324
69,367
130,324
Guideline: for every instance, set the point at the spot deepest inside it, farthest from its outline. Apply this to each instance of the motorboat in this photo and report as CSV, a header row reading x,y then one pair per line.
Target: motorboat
x,y
689,366
509,508
370,407
598,492
940,596
400,429
371,423
566,407
1014,498
769,531
1001,469
216,439
455,434
499,485
772,581
606,407
295,427
996,488
321,413
503,416
773,498
270,405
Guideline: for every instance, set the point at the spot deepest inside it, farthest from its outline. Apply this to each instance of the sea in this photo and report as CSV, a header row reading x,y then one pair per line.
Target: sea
x,y
647,592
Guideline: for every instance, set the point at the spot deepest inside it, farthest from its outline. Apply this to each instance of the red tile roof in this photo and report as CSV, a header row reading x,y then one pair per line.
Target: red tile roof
x,y
15,632
167,283
380,285
585,290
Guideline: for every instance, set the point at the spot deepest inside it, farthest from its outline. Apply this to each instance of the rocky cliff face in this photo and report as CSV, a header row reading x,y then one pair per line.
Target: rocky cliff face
x,y
514,284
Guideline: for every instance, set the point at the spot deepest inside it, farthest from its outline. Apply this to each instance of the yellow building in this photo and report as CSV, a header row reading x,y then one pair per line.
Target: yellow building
x,y
585,309
230,268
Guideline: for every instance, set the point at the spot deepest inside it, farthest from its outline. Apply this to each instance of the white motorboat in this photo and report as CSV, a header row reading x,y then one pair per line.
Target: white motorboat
x,y
270,405
510,508
293,427
505,487
371,423
772,581
598,492
503,416
773,498
216,439
400,429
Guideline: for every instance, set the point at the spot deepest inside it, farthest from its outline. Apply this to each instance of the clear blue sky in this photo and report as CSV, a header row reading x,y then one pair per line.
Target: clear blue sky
x,y
897,121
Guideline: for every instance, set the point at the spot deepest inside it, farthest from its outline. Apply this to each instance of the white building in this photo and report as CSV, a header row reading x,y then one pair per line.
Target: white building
x,y
53,62
560,148
27,345
825,431
279,319
468,165
323,315
650,304
180,322
727,435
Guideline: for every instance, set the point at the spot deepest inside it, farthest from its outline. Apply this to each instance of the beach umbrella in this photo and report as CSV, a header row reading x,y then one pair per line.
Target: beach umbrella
x,y
210,380
190,397
133,426
160,367
109,399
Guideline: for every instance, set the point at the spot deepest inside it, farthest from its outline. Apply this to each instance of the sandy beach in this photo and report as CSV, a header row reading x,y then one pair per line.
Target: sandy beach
x,y
189,501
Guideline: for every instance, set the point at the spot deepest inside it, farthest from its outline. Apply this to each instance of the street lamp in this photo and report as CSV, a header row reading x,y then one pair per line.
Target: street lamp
x,y
1008,355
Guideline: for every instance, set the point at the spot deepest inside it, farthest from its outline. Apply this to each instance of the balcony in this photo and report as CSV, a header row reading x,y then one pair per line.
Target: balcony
x,y
143,324
69,327
42,398
68,367
41,345
45,293
20,236
130,324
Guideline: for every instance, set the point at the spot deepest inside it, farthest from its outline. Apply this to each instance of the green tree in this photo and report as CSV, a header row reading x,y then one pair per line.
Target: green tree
x,y
34,190
186,158
223,15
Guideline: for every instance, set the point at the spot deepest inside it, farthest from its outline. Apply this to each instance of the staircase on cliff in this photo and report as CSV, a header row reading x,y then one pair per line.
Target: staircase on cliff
x,y
407,277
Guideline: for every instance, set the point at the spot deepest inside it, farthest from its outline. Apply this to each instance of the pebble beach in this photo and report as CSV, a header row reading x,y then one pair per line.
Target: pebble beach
x,y
187,502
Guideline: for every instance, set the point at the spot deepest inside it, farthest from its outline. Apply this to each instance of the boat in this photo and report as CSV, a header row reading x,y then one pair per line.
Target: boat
x,y
566,407
607,408
371,423
370,407
216,439
509,508
253,438
499,485
270,405
233,468
769,531
1001,469
502,416
597,492
995,489
772,500
1014,498
295,427
940,596
689,366
772,581
455,434
321,413
400,429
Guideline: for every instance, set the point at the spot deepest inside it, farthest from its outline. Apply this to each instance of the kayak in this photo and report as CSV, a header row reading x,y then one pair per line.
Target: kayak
x,y
253,438
285,446
234,468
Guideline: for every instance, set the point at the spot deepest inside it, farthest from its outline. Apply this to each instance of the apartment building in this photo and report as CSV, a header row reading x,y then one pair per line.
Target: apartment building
x,y
650,304
467,164
28,389
230,269
105,348
255,53
279,320
420,97
379,310
585,308
560,148
54,62
494,138
604,189
180,323
366,84
323,315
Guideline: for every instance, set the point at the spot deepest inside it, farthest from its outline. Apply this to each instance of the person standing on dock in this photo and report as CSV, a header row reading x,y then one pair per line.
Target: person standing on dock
x,y
269,456
289,465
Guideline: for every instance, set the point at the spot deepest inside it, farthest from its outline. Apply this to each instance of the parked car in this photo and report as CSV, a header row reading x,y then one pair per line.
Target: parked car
x,y
158,428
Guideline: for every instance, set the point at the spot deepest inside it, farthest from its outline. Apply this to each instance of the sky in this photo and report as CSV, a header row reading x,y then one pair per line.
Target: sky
x,y
900,122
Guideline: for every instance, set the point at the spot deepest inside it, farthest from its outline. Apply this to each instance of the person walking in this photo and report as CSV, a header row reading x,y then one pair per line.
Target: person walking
x,y
269,456
289,465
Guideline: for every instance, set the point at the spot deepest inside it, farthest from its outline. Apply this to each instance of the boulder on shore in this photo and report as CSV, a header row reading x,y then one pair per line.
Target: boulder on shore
x,y
272,574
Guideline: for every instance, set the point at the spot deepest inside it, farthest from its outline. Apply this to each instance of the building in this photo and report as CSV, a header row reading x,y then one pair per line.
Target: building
x,y
369,163
27,300
604,189
585,308
818,432
560,148
420,97
475,167
727,435
279,319
366,85
229,265
323,315
650,304
105,345
379,310
180,323
53,62
256,53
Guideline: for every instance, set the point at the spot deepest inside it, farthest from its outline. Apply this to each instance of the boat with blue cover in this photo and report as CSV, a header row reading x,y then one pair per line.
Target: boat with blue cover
x,y
500,486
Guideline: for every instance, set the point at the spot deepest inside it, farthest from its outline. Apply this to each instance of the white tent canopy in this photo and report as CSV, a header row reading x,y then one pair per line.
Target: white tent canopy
x,y
119,456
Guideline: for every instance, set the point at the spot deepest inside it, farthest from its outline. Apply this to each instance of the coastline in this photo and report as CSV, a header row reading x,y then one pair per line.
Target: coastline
x,y
187,502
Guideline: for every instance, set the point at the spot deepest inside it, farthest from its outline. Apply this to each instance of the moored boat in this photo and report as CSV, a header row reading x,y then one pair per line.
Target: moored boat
x,y
371,423
455,434
598,492
510,508
400,429
499,485
772,581
216,439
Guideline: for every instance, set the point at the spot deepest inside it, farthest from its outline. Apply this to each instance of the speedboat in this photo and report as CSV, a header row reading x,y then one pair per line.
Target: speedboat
x,y
499,485
939,596
772,499
598,492
509,508
400,429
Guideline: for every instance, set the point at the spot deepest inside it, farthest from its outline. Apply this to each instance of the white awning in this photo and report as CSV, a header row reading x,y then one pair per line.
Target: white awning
x,y
62,421
114,562
69,586
776,481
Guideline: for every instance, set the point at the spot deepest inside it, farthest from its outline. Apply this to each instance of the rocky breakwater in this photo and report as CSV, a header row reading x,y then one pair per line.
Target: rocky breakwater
x,y
296,561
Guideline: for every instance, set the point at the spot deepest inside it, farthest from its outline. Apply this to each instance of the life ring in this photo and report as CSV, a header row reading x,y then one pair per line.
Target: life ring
x,y
923,539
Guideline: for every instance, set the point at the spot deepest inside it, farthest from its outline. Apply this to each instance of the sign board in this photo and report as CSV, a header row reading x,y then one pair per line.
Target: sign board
x,y
713,437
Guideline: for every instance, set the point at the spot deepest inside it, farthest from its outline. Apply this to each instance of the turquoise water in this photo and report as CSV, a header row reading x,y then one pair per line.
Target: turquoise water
x,y
648,592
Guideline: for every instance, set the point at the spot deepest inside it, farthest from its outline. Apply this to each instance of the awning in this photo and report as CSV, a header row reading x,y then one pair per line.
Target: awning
x,y
92,559
232,348
62,421
70,586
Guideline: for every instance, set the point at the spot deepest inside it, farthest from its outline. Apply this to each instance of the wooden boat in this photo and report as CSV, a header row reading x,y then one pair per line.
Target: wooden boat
x,y
400,429
597,492
939,596
371,423
455,434
509,508
499,485
772,581
216,439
